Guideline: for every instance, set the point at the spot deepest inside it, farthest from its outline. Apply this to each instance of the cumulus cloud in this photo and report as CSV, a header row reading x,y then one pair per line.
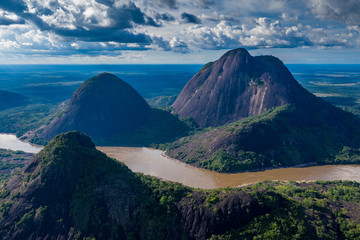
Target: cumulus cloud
x,y
263,34
86,20
109,26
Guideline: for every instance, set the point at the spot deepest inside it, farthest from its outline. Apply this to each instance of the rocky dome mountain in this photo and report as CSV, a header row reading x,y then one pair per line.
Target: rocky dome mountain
x,y
101,107
237,86
263,118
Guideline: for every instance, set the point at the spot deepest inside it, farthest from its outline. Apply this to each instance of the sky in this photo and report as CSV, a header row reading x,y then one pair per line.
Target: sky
x,y
177,31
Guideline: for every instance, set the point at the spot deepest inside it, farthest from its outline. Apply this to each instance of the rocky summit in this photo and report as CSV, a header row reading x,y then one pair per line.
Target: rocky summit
x,y
237,86
263,118
101,107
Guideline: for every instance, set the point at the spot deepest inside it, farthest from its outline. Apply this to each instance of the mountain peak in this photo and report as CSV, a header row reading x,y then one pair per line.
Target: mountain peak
x,y
73,138
237,51
101,83
101,107
104,76
237,86
63,150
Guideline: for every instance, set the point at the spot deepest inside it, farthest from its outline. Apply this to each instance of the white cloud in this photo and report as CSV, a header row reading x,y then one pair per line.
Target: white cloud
x,y
263,33
8,44
60,19
86,27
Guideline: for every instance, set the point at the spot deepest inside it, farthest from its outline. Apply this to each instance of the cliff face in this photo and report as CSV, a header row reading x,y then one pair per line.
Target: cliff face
x,y
101,107
237,86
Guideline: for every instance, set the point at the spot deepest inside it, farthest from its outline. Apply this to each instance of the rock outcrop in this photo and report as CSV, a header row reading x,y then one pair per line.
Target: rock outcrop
x,y
264,118
238,86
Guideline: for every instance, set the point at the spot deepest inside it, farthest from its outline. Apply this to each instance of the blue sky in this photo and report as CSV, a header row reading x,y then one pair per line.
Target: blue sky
x,y
177,31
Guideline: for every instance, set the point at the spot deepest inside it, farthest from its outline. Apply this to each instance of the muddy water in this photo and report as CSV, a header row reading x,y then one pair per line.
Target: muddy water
x,y
10,141
153,162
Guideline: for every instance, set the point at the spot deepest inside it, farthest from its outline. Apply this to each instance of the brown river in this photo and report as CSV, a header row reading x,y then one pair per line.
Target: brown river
x,y
155,163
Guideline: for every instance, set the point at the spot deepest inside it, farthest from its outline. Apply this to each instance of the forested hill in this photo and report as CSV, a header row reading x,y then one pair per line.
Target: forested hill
x,y
72,191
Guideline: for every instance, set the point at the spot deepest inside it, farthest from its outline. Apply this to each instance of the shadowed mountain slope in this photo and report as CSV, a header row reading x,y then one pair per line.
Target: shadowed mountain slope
x,y
102,106
10,99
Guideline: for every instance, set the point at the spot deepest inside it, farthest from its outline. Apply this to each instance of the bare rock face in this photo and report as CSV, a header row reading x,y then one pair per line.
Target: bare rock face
x,y
237,86
102,106
297,127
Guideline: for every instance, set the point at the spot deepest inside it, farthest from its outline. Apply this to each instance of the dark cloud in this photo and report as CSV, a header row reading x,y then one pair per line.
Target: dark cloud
x,y
106,2
174,45
103,35
123,19
207,3
189,18
165,17
127,15
16,6
8,21
346,11
168,3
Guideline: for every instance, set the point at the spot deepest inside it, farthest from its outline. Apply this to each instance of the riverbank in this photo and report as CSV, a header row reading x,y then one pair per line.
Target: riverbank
x,y
155,163
252,170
